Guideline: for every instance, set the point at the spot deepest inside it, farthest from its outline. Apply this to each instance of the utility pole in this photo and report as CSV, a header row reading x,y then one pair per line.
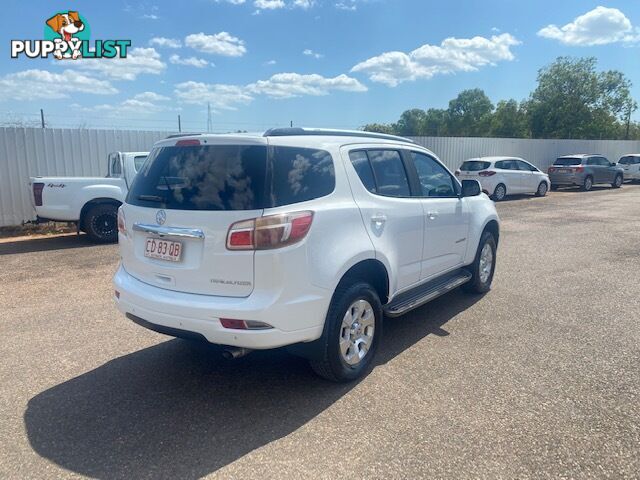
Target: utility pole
x,y
42,117
291,124
179,124
209,121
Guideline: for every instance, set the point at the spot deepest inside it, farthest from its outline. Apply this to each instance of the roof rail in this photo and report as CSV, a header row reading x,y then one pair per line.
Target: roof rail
x,y
178,135
297,131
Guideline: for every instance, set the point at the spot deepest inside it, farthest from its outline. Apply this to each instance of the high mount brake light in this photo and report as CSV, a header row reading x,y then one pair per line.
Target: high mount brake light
x,y
272,231
192,142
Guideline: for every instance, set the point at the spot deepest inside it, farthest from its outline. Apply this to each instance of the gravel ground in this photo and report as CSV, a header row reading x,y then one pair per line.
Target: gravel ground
x,y
538,378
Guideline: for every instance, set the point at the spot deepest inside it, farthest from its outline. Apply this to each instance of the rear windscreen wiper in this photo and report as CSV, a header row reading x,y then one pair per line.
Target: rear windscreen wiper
x,y
151,198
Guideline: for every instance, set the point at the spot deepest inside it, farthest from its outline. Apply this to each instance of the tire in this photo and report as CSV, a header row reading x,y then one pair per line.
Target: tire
x,y
333,364
588,183
542,189
101,223
617,183
499,193
481,280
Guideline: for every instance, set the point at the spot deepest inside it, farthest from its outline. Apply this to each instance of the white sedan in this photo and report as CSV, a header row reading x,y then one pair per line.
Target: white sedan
x,y
502,176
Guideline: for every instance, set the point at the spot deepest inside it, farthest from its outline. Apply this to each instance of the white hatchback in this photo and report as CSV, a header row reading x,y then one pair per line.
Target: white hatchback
x,y
502,176
631,165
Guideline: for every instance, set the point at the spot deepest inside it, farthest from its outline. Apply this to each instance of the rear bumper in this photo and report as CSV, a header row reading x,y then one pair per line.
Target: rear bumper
x,y
562,179
196,316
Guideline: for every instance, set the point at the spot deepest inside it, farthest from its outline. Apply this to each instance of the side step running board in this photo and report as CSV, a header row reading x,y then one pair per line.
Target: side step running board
x,y
425,293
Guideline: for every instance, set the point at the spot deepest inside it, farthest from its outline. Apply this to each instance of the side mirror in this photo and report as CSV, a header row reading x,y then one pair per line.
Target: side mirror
x,y
613,164
470,188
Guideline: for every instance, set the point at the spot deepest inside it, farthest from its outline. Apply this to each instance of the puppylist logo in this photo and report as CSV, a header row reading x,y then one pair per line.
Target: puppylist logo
x,y
67,37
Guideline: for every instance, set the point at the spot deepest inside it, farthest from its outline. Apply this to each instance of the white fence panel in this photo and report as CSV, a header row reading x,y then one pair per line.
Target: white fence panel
x,y
27,152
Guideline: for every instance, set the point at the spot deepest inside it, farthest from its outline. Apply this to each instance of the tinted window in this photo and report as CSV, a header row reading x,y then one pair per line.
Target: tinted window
x,y
507,165
360,162
629,160
138,162
391,178
526,167
435,180
115,167
474,166
221,177
566,161
604,162
300,174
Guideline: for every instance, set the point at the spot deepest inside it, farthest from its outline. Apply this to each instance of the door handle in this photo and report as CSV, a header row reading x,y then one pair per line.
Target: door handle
x,y
379,219
432,215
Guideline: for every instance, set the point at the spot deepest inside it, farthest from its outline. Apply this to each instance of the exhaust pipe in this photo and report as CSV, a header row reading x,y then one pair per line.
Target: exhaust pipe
x,y
235,352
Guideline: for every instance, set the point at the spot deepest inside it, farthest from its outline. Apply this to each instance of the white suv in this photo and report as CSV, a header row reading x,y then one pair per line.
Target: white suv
x,y
298,238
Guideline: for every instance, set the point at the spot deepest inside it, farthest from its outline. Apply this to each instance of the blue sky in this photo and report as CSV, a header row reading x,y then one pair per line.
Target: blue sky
x,y
329,63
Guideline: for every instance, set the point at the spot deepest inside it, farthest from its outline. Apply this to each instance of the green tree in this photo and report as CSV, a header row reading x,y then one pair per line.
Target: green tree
x,y
469,114
380,128
573,100
435,123
509,120
411,122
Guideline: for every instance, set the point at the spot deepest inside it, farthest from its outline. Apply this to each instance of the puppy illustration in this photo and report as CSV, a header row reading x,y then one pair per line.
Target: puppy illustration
x,y
66,25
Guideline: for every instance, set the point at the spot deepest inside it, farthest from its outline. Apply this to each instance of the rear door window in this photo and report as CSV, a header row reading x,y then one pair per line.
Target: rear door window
x,y
389,173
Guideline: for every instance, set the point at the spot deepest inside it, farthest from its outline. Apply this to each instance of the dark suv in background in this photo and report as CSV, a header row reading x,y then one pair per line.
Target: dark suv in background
x,y
584,170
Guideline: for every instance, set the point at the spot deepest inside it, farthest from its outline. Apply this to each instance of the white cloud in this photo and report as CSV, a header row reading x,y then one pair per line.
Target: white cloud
x,y
165,42
189,61
304,3
310,53
451,56
349,5
268,4
139,60
151,97
287,85
219,44
600,26
36,84
221,97
233,2
270,62
150,16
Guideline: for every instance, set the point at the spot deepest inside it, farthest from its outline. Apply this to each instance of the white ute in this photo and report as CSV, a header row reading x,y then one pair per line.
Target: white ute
x,y
299,238
90,202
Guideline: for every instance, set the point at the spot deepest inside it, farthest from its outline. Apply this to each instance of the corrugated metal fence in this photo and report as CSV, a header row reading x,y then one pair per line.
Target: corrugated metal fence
x,y
26,152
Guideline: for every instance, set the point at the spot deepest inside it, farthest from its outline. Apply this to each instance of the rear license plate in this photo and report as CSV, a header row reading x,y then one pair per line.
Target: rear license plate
x,y
564,170
163,249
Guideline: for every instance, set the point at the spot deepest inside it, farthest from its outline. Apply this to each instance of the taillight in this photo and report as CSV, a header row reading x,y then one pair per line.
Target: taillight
x,y
191,142
551,170
578,169
244,324
272,231
457,172
37,193
122,223
487,173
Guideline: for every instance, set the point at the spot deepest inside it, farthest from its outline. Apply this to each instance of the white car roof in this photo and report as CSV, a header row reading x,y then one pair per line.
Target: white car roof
x,y
493,159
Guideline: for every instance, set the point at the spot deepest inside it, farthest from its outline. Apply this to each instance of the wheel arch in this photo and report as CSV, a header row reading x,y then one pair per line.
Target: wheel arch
x,y
374,272
492,227
92,203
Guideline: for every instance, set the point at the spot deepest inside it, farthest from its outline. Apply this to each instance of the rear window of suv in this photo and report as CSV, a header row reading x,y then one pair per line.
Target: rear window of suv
x,y
564,162
474,166
231,177
629,160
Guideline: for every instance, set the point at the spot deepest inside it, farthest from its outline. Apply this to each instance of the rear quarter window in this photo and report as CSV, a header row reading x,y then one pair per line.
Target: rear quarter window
x,y
299,175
